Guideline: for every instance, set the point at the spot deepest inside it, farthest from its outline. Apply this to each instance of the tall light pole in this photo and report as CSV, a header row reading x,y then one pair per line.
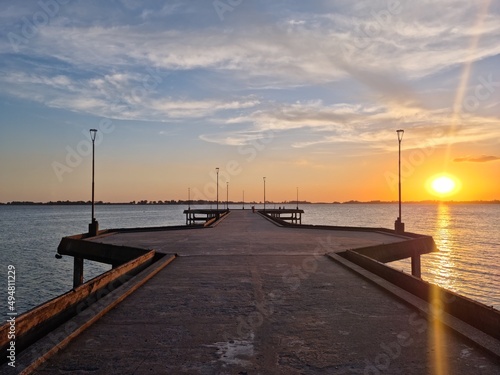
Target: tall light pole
x,y
264,194
243,199
94,226
297,197
227,195
399,225
217,169
189,198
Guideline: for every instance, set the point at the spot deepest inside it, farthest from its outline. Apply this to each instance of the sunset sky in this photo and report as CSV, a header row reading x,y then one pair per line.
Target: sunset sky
x,y
307,94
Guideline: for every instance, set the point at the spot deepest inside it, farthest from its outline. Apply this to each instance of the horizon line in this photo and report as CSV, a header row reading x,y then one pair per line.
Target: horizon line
x,y
207,202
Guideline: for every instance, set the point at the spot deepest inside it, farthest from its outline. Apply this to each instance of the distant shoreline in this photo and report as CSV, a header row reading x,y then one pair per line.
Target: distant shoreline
x,y
185,202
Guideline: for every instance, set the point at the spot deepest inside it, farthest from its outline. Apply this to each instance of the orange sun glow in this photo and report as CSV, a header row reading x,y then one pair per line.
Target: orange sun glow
x,y
443,185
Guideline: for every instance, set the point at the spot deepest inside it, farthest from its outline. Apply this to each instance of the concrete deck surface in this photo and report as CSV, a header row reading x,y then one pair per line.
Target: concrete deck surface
x,y
248,297
247,233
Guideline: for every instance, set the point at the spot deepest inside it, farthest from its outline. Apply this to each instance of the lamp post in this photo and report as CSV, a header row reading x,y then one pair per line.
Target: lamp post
x,y
94,225
217,169
189,198
264,194
227,195
399,226
297,197
243,199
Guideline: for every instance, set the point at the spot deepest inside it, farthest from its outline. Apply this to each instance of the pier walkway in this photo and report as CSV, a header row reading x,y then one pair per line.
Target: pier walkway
x,y
247,233
249,297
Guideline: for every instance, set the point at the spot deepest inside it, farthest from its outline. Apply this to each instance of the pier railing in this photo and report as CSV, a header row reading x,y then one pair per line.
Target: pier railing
x,y
286,215
41,320
203,216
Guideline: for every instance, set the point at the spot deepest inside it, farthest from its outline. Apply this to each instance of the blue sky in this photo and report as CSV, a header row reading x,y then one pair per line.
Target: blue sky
x,y
306,93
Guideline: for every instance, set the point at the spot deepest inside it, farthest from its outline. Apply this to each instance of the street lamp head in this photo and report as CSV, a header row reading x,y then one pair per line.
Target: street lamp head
x,y
400,134
92,134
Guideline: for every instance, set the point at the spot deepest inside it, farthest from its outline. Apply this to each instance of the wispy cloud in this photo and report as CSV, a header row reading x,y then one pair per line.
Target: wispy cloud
x,y
236,138
118,95
412,43
370,125
245,75
477,159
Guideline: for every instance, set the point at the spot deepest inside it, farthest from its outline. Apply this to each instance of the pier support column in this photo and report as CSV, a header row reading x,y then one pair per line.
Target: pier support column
x,y
77,272
415,266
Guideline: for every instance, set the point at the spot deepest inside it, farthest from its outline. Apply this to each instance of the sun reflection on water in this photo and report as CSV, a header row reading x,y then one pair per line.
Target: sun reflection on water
x,y
444,276
444,264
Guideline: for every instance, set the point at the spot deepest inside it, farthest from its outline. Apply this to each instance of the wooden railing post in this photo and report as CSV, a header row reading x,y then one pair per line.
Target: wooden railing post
x,y
415,266
77,272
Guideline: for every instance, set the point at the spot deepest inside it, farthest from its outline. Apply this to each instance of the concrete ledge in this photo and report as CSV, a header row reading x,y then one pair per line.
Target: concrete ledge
x,y
478,315
399,250
110,232
392,232
411,244
98,252
27,361
153,229
40,320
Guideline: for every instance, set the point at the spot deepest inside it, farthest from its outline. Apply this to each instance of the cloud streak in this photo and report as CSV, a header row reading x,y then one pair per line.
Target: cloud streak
x,y
360,66
476,159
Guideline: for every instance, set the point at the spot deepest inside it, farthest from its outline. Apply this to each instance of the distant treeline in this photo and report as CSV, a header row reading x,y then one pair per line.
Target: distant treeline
x,y
143,202
205,202
81,203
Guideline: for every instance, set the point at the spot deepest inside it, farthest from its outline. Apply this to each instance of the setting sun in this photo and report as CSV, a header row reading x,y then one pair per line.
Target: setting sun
x,y
443,185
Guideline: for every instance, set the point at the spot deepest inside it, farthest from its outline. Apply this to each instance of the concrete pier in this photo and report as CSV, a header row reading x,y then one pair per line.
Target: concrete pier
x,y
249,297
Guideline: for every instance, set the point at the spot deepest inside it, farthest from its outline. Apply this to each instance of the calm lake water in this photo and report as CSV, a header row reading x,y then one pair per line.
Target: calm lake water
x,y
467,235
